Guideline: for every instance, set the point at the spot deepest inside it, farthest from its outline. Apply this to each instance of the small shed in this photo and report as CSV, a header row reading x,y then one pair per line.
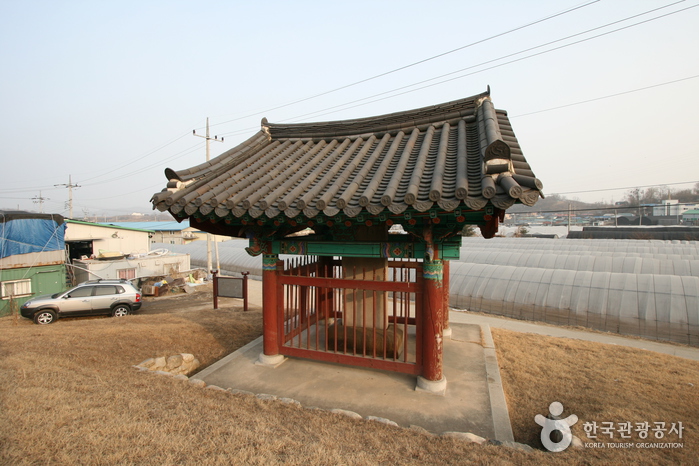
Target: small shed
x,y
32,257
353,293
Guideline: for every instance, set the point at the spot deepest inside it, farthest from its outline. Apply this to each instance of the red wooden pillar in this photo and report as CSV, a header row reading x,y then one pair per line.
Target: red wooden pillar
x,y
446,330
324,295
270,321
433,320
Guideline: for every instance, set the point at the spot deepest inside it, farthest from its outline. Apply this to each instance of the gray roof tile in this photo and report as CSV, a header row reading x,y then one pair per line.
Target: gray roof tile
x,y
461,153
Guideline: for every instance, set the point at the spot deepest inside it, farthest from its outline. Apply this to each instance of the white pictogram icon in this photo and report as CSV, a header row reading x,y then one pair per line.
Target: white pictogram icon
x,y
560,428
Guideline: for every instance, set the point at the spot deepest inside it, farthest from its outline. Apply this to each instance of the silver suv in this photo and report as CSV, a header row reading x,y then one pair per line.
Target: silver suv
x,y
99,297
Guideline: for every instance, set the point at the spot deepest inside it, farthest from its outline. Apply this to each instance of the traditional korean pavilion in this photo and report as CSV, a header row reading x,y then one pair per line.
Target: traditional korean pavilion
x,y
369,212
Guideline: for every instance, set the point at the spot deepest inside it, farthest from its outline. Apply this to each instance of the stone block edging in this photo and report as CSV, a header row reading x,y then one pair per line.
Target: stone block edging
x,y
463,436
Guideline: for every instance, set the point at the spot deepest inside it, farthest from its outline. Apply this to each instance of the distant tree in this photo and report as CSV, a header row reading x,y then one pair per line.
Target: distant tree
x,y
637,196
521,231
685,195
468,230
633,196
656,194
653,195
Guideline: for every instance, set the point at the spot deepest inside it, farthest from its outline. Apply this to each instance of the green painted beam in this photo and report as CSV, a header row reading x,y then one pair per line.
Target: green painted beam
x,y
447,250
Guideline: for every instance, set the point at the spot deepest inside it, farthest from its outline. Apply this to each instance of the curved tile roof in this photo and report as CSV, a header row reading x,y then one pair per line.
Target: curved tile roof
x,y
460,154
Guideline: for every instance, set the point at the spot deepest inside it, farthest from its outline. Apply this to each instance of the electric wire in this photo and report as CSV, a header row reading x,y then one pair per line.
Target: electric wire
x,y
187,151
178,155
623,187
140,157
653,86
347,105
386,73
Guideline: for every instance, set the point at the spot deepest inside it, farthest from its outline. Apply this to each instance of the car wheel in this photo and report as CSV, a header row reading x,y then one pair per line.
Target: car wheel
x,y
121,310
44,317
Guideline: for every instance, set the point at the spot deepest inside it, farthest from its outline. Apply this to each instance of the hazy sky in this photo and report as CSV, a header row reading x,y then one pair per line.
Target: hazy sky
x,y
109,91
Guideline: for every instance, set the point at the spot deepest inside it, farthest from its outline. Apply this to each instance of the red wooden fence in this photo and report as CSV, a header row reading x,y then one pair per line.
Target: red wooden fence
x,y
360,320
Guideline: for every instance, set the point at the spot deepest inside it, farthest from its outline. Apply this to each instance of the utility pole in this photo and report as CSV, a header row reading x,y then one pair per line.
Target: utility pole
x,y
208,157
40,200
70,187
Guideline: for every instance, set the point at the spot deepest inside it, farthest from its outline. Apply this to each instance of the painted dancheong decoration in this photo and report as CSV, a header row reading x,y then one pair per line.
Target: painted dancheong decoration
x,y
332,194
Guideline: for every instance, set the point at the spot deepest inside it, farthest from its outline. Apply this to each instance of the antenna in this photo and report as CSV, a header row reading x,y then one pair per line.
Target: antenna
x,y
70,187
208,157
40,200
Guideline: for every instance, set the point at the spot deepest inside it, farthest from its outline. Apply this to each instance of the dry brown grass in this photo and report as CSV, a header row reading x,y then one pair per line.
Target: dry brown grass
x,y
68,395
603,383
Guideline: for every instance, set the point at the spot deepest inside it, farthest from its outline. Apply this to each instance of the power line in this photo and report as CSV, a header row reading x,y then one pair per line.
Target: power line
x,y
147,188
652,86
591,209
386,73
140,157
626,187
414,64
439,55
607,96
178,155
318,112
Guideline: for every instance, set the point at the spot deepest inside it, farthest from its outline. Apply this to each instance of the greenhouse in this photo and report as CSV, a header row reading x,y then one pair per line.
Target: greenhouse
x,y
631,287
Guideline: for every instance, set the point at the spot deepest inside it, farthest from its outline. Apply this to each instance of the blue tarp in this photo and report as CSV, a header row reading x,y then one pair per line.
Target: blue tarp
x,y
22,234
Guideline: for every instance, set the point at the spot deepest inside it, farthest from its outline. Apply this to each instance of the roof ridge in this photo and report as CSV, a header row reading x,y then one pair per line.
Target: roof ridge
x,y
390,122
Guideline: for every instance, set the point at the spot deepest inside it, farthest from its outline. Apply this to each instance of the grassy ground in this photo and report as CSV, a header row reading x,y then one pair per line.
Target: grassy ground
x,y
68,394
600,383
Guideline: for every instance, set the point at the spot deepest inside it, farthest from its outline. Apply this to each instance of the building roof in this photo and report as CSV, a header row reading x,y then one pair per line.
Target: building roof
x,y
29,232
109,225
153,226
9,215
457,155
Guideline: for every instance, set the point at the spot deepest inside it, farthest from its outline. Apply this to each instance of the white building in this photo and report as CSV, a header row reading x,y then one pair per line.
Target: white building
x,y
672,208
87,239
110,251
130,267
171,232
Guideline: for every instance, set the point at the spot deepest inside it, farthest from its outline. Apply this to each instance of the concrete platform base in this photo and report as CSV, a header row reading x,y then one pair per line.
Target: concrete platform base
x,y
270,361
436,387
465,405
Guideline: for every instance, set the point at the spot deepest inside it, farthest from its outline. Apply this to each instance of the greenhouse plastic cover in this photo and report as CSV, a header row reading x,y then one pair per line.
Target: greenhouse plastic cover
x,y
633,287
24,233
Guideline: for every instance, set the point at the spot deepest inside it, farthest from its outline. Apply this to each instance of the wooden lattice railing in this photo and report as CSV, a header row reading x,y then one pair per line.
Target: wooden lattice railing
x,y
340,314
